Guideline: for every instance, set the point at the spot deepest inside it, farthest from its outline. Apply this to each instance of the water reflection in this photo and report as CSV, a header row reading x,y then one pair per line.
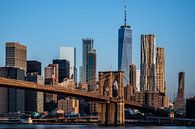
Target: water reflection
x,y
33,126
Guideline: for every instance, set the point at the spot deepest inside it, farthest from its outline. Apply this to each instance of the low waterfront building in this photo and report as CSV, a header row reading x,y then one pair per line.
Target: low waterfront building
x,y
190,106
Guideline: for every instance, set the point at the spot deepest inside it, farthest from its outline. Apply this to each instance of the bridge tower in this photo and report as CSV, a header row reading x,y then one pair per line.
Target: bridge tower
x,y
111,85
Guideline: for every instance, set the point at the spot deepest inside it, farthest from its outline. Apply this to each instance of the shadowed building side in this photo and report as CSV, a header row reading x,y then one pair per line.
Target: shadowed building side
x,y
160,70
12,100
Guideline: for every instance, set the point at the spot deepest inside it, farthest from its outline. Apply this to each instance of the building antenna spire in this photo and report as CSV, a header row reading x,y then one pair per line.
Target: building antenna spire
x,y
125,9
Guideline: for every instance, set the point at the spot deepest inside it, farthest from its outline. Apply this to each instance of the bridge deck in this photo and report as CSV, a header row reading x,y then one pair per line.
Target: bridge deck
x,y
93,96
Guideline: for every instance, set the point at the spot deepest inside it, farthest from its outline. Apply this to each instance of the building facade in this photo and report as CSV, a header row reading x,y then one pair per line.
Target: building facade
x,y
51,74
88,69
71,106
51,78
160,70
12,100
34,66
152,99
62,100
91,70
125,50
69,54
34,99
15,62
179,104
16,55
81,77
138,80
63,69
132,75
148,62
87,47
190,106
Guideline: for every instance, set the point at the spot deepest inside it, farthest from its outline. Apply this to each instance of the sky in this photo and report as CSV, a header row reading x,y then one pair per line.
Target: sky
x,y
45,25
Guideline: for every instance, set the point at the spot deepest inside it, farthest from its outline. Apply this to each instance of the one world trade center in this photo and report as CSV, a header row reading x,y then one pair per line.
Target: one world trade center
x,y
125,49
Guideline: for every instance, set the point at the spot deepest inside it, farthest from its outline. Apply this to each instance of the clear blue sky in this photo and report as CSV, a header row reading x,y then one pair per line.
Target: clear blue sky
x,y
45,25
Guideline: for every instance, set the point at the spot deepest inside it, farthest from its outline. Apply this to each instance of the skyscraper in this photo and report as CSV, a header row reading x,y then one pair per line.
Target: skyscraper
x,y
181,84
148,61
179,104
89,64
87,47
63,69
69,54
15,68
16,55
125,49
160,70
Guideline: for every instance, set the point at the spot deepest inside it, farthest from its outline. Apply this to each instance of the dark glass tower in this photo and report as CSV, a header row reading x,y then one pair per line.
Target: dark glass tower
x,y
87,47
125,49
91,70
34,66
63,69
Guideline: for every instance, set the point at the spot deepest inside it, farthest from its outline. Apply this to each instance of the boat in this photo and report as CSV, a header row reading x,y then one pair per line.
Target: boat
x,y
28,120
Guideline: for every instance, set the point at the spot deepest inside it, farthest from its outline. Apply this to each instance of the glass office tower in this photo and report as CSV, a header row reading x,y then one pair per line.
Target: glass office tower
x,y
125,50
87,47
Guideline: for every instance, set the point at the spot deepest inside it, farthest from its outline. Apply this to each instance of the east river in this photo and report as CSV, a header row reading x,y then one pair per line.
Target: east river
x,y
33,126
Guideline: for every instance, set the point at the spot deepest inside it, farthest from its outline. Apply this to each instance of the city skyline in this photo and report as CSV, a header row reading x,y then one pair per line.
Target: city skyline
x,y
34,38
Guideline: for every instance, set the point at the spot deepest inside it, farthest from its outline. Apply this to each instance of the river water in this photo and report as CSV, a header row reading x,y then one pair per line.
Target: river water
x,y
25,126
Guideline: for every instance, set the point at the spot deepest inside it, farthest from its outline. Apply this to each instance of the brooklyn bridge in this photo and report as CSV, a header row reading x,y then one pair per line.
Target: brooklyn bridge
x,y
109,96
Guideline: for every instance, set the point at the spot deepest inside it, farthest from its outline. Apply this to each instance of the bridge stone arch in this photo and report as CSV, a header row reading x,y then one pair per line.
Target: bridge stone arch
x,y
106,87
115,89
111,84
